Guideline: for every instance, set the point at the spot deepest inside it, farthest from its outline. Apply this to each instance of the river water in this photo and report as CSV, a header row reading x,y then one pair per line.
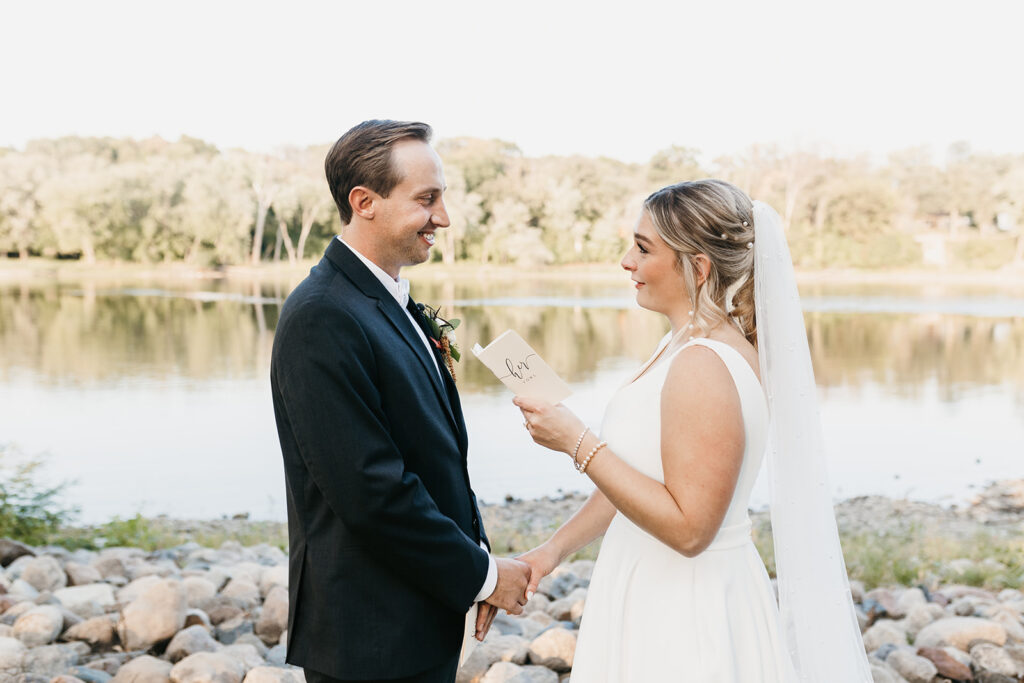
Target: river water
x,y
154,397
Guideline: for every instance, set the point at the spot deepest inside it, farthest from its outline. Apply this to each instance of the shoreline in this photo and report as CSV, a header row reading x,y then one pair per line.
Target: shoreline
x,y
40,270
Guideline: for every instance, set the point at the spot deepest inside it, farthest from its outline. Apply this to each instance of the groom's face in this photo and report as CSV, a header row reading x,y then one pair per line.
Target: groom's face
x,y
406,220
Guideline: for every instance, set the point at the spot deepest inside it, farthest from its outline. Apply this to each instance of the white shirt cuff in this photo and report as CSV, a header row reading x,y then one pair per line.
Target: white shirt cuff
x,y
491,582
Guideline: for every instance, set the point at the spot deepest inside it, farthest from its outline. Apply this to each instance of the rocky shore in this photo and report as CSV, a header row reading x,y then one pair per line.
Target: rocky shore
x,y
193,614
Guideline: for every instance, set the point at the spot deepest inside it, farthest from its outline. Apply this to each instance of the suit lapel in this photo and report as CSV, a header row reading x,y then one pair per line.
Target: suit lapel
x,y
349,264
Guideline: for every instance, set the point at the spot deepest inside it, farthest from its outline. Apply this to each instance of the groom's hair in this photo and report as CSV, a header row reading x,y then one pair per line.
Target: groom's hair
x,y
362,156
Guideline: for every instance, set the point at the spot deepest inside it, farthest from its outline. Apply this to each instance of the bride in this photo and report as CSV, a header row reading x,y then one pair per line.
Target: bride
x,y
679,592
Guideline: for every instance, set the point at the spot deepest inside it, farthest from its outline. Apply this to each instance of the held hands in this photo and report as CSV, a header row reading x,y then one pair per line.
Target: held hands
x,y
552,426
509,593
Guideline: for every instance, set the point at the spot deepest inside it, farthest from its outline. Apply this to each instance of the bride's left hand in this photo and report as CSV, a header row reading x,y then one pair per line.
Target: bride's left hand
x,y
552,426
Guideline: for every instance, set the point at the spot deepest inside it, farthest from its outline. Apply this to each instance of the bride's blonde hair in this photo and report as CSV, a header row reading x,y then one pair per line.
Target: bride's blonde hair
x,y
714,218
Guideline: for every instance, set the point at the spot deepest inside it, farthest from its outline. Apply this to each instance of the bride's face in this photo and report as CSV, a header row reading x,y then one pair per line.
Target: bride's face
x,y
660,285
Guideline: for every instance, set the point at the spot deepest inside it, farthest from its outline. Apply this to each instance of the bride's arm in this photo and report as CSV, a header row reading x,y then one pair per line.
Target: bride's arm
x,y
586,525
702,444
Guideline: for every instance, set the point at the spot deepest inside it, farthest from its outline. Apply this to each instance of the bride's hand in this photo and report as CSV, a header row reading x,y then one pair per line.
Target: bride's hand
x,y
542,560
551,426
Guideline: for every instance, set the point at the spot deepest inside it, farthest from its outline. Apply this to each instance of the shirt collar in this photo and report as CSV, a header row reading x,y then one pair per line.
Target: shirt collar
x,y
398,288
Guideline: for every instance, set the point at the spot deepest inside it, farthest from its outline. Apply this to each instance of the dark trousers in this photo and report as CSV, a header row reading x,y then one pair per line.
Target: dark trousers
x,y
444,673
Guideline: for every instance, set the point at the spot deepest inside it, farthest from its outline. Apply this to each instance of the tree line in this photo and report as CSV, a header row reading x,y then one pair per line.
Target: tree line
x,y
152,201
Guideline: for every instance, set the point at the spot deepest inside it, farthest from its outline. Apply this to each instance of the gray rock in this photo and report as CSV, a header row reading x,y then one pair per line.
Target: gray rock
x,y
882,632
190,641
144,669
135,589
82,574
273,576
153,617
44,574
495,648
907,600
882,674
91,675
276,655
247,654
274,617
959,632
208,667
110,663
269,674
553,649
98,632
243,592
11,550
254,640
912,667
76,596
507,672
538,603
12,656
920,616
229,631
988,657
39,626
50,660
23,588
198,590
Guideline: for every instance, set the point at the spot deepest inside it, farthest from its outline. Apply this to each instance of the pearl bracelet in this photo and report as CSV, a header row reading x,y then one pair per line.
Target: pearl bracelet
x,y
576,451
583,468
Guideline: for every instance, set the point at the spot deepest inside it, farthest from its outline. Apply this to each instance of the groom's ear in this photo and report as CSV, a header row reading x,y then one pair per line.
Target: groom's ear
x,y
361,200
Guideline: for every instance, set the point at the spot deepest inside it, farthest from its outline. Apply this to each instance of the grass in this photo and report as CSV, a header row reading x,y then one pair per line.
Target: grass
x,y
989,559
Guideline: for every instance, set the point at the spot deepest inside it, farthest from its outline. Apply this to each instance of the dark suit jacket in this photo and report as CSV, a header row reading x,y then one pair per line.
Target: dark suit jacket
x,y
384,530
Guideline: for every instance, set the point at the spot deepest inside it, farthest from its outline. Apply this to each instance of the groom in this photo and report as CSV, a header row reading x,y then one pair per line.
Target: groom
x,y
387,552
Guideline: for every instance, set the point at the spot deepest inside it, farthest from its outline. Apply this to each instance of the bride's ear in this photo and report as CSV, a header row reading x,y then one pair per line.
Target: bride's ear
x,y
702,268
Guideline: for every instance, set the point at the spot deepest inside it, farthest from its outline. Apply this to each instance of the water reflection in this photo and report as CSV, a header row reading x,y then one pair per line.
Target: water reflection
x,y
159,392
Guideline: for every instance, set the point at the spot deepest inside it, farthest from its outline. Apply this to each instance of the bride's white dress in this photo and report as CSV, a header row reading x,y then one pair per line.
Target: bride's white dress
x,y
655,615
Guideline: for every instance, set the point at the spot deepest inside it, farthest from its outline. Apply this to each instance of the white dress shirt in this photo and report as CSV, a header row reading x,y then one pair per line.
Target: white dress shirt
x,y
400,290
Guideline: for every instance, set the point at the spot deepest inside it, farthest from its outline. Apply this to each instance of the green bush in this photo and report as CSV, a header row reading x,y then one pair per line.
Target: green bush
x,y
29,511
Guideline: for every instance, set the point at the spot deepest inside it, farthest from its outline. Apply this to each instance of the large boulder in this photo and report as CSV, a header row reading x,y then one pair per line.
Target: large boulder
x,y
914,668
272,674
273,576
554,649
12,550
12,657
274,617
198,590
190,641
208,667
75,597
153,617
507,672
44,574
82,574
98,632
243,592
495,648
946,664
884,632
992,659
144,669
39,626
136,588
959,632
51,660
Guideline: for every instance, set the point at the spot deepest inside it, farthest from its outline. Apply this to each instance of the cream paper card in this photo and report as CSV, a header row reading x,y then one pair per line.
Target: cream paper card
x,y
469,641
520,369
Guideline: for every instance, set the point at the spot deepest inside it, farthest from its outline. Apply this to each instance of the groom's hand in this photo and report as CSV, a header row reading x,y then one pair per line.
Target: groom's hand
x,y
510,592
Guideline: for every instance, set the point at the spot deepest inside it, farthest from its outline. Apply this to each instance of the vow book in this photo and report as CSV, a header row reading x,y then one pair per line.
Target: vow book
x,y
521,369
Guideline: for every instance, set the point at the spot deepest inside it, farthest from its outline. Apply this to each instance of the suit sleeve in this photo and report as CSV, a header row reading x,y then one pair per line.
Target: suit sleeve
x,y
325,379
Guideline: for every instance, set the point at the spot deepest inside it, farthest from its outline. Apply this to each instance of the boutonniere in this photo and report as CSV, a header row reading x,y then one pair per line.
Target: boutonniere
x,y
442,334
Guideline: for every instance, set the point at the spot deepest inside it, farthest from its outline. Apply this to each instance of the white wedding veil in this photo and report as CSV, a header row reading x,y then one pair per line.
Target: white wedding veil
x,y
820,626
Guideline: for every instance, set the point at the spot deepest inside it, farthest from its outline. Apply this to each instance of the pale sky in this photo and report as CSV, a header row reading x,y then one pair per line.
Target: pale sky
x,y
621,79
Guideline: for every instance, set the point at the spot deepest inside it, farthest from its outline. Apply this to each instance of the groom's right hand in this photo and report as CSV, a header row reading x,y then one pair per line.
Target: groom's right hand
x,y
510,592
